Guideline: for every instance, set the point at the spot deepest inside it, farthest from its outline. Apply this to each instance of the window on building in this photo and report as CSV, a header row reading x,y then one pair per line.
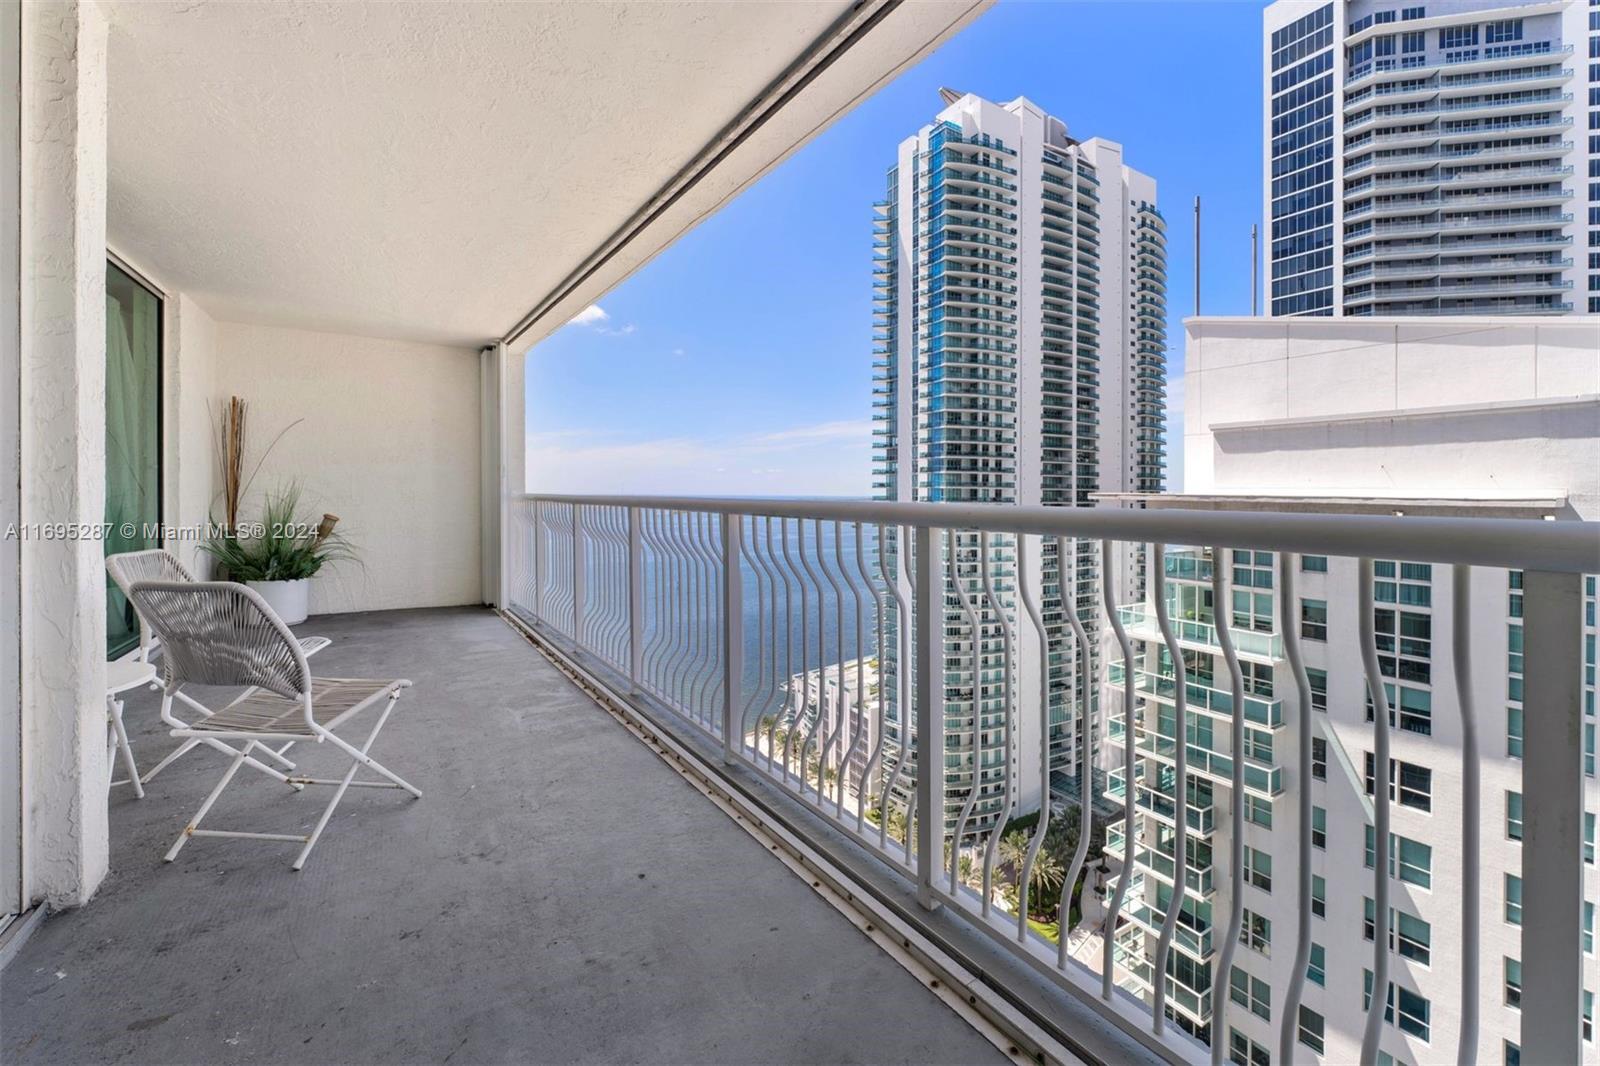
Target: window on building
x,y
1513,899
1410,709
1314,564
1258,868
1513,1054
1318,680
1409,936
1317,968
1314,619
1513,982
1319,758
1502,30
1588,837
1514,732
1414,1010
1258,745
1588,928
1410,785
1258,811
1251,992
1242,1051
1311,1029
1409,860
1513,815
1319,828
1319,896
1404,641
1458,36
1256,932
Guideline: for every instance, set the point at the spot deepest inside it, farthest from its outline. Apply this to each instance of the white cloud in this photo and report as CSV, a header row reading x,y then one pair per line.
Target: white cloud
x,y
859,430
823,459
589,316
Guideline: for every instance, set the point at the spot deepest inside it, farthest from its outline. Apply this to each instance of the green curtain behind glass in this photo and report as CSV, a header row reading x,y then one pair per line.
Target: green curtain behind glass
x,y
133,437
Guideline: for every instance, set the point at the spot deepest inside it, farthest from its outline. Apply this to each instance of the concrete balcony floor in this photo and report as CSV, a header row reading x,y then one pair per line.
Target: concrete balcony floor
x,y
557,895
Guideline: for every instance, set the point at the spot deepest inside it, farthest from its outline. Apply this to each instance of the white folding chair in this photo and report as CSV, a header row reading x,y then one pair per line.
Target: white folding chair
x,y
223,633
157,564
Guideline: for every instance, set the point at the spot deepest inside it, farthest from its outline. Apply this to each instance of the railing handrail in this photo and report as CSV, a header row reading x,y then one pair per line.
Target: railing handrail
x,y
1566,546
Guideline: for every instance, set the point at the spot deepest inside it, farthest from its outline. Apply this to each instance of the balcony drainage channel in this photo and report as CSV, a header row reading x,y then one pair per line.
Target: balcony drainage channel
x,y
1028,1019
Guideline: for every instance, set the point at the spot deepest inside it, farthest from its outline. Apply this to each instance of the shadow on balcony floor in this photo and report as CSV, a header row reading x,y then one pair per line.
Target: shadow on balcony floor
x,y
557,895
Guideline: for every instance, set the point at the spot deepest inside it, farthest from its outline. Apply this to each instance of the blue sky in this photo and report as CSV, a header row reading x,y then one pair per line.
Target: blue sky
x,y
738,362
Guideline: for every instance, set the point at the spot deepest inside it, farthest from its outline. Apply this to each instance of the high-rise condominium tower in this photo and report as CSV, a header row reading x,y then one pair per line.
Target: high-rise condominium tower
x,y
1020,303
1432,158
1438,416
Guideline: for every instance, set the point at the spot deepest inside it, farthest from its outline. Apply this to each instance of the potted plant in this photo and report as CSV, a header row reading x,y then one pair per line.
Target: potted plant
x,y
279,555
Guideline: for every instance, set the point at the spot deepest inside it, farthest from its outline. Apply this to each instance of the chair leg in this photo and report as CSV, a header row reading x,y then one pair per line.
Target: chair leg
x,y
239,759
360,754
327,813
228,749
358,759
125,748
182,750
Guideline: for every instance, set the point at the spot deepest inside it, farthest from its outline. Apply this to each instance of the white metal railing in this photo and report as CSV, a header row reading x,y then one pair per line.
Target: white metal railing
x,y
797,637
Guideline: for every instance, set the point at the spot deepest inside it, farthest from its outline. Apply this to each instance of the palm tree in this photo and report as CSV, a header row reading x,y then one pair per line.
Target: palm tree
x,y
1044,880
1014,852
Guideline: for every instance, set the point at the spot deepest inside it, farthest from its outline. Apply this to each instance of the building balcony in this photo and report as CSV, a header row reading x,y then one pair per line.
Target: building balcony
x,y
521,910
1266,713
1140,621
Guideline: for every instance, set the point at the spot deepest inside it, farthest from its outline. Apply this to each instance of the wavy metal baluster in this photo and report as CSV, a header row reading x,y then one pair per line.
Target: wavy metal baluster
x,y
618,542
692,616
854,716
689,618
805,669
992,846
822,656
1180,877
749,552
707,570
659,644
678,587
976,633
1380,818
870,771
1288,564
1069,606
1030,604
1130,839
1222,620
1471,788
903,633
785,680
833,724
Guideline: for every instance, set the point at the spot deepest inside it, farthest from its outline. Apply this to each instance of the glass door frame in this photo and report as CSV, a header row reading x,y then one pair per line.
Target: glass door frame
x,y
133,274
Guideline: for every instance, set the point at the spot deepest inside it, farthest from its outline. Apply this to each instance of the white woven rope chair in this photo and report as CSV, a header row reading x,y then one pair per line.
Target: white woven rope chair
x,y
222,633
157,564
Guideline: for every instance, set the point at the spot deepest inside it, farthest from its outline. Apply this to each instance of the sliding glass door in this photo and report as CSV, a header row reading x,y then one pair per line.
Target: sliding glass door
x,y
133,437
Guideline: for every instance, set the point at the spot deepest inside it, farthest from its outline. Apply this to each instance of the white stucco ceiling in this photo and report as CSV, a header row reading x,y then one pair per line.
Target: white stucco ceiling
x,y
435,171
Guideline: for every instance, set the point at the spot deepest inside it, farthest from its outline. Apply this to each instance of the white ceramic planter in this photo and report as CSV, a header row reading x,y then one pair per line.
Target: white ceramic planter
x,y
290,599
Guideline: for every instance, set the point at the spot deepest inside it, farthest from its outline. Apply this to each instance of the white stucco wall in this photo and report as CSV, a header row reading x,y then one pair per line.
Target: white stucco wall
x,y
62,448
389,442
189,464
1476,406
